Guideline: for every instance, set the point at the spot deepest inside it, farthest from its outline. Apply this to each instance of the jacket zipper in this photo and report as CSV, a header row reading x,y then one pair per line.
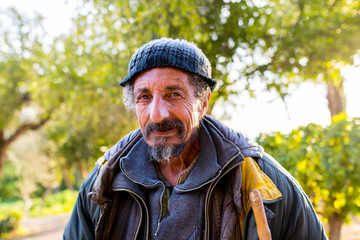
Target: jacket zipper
x,y
161,209
147,213
133,194
211,188
157,229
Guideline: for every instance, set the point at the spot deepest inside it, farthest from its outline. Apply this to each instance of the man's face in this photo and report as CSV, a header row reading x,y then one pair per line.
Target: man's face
x,y
167,108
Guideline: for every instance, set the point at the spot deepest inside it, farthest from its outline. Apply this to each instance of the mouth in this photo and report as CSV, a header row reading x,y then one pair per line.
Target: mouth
x,y
167,128
163,133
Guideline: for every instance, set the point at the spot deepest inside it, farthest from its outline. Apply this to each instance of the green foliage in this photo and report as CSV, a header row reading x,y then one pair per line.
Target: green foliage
x,y
72,79
11,97
311,37
10,216
8,187
279,42
9,207
55,203
120,27
325,162
9,224
306,40
91,116
22,70
11,211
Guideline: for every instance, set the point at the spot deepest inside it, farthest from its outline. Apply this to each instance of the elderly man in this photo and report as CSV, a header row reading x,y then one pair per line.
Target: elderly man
x,y
182,174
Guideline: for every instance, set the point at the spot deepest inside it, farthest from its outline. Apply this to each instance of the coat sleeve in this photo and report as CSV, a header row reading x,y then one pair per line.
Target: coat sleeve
x,y
294,216
85,213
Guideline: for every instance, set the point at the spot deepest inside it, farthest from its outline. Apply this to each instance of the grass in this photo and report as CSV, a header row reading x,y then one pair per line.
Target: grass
x,y
55,203
11,212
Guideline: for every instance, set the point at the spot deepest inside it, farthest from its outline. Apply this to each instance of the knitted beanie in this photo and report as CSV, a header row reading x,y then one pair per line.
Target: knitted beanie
x,y
167,52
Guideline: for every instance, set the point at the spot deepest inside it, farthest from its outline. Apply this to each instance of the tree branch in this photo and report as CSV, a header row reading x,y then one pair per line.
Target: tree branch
x,y
333,5
22,129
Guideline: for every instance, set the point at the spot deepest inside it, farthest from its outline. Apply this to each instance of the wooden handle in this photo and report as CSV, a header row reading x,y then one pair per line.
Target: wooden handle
x,y
260,217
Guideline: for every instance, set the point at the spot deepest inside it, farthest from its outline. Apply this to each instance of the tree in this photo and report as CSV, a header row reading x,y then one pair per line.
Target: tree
x,y
20,73
91,116
280,42
72,79
309,40
28,157
324,161
123,26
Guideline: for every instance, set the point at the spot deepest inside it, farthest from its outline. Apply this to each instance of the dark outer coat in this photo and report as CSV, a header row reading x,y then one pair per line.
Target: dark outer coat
x,y
119,207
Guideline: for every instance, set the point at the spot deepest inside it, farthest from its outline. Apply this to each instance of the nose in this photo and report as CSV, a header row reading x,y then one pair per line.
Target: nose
x,y
158,109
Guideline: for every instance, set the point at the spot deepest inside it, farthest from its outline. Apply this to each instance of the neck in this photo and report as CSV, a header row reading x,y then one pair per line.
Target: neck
x,y
172,169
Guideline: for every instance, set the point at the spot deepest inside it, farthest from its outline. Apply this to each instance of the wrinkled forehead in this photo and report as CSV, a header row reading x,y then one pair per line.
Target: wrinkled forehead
x,y
161,79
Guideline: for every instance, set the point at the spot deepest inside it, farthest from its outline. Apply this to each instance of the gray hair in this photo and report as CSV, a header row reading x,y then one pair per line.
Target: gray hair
x,y
202,89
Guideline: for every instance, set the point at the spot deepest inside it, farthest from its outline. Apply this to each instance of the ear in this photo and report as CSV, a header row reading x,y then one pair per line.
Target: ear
x,y
205,104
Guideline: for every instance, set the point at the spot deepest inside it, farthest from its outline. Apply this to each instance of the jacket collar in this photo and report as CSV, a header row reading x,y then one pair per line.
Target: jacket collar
x,y
247,147
215,153
137,167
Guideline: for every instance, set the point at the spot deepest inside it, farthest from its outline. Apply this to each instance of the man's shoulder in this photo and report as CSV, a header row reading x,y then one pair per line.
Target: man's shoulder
x,y
286,183
247,147
278,174
88,182
120,144
103,160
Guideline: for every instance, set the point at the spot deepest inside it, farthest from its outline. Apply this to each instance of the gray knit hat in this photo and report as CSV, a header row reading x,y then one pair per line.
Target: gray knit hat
x,y
167,52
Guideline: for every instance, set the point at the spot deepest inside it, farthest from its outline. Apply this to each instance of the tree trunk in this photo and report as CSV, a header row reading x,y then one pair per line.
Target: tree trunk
x,y
2,160
43,198
6,142
28,204
336,97
83,170
2,152
335,223
65,172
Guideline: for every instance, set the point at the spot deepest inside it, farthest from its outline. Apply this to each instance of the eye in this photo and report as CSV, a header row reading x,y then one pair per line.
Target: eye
x,y
175,95
143,97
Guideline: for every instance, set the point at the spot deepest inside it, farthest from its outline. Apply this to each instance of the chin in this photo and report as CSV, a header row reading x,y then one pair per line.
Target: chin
x,y
164,154
163,142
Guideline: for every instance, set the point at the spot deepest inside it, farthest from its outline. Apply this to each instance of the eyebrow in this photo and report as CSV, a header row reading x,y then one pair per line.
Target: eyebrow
x,y
141,90
174,87
146,90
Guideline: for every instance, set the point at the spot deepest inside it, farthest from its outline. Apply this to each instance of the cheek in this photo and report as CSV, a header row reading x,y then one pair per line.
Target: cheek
x,y
141,111
192,110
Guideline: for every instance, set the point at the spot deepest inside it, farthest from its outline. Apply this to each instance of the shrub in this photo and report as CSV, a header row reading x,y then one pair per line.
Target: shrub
x,y
9,224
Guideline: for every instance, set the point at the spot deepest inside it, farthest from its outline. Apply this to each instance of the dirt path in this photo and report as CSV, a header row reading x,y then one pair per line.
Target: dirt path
x,y
52,227
352,231
44,228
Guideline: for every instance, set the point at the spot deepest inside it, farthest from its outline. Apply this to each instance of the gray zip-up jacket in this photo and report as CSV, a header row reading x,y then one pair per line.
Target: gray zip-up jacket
x,y
122,199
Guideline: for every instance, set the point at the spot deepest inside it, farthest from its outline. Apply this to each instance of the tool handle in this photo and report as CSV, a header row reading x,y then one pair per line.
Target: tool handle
x,y
260,217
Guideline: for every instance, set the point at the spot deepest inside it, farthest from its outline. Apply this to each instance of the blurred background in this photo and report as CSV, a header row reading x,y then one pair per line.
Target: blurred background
x,y
288,75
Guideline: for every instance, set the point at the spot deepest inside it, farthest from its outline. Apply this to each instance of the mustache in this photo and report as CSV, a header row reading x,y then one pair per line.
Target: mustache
x,y
163,126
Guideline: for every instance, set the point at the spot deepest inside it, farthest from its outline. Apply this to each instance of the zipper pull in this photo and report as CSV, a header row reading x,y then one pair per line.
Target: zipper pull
x,y
157,229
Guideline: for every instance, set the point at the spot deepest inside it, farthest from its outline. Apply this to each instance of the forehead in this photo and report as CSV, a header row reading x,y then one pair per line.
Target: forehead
x,y
162,78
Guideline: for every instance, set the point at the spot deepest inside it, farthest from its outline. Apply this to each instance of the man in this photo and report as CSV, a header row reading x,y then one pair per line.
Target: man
x,y
183,175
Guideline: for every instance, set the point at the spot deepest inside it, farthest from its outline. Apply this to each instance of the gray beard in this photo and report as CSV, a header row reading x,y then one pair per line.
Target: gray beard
x,y
163,154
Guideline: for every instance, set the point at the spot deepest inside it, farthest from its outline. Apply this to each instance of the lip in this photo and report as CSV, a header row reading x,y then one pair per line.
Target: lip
x,y
165,133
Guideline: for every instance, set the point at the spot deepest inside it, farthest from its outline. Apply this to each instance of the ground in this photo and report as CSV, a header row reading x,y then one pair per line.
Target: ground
x,y
44,228
51,228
